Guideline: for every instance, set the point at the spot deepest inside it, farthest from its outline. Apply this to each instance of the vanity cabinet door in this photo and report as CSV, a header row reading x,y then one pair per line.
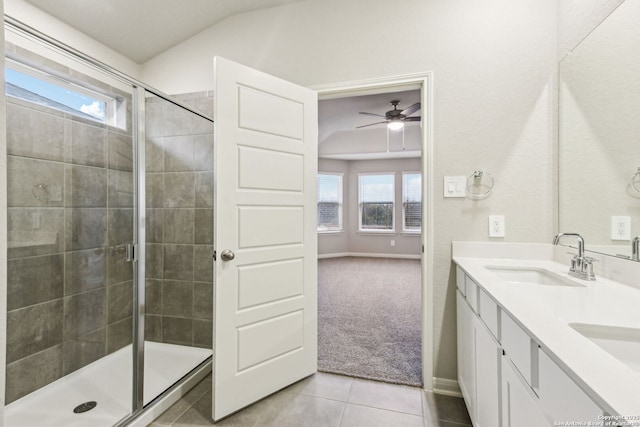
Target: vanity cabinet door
x,y
488,360
520,407
466,353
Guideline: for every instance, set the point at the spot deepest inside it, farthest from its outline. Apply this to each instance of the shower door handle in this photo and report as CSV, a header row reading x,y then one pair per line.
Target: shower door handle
x,y
227,255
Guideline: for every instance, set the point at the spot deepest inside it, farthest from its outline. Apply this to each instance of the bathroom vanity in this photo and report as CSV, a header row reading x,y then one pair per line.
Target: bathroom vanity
x,y
537,347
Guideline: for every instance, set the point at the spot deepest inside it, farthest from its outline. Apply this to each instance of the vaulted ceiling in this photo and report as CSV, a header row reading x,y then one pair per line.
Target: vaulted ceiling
x,y
142,29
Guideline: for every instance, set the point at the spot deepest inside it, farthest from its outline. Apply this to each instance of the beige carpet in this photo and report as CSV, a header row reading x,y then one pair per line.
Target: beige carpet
x,y
369,318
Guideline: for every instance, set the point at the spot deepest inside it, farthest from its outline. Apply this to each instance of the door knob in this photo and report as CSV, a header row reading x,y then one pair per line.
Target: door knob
x,y
227,255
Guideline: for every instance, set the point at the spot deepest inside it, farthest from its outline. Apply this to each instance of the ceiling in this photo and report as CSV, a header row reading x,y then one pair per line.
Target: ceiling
x,y
142,29
338,119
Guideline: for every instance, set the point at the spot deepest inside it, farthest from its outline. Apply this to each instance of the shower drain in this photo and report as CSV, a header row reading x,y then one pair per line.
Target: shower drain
x,y
84,407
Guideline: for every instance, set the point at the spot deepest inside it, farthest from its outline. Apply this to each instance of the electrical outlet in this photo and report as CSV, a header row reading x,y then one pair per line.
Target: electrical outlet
x,y
496,226
393,243
620,228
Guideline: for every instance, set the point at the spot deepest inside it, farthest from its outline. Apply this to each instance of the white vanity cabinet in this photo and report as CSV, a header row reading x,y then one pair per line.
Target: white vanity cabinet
x,y
506,379
520,406
479,356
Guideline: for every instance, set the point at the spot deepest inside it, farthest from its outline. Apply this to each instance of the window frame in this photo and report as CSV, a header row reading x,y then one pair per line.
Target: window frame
x,y
392,230
111,102
405,230
340,228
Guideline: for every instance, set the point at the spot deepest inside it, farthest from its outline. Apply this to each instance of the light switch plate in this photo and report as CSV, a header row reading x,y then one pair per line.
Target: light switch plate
x,y
496,226
620,228
455,186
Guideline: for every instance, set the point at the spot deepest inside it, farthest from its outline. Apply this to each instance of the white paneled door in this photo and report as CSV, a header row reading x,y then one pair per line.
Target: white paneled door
x,y
265,320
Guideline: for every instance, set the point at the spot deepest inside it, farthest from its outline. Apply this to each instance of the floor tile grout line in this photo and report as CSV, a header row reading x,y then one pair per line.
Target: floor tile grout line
x,y
385,409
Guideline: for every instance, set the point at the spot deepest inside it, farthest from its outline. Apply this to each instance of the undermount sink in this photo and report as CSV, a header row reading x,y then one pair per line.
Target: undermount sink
x,y
530,275
622,343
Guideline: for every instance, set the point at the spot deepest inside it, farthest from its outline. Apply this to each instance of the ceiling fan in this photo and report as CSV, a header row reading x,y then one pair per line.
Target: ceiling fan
x,y
395,118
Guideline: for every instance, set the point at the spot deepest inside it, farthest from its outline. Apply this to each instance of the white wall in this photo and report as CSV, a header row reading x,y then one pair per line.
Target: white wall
x,y
45,23
494,64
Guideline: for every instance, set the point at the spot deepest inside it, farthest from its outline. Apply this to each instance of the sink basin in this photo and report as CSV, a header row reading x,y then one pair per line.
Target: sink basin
x,y
531,275
622,343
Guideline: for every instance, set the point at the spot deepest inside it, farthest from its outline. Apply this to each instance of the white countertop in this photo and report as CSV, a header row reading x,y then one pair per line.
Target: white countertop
x,y
545,313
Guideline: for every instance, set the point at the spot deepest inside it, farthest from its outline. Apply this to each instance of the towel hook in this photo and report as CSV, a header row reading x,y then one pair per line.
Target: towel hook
x,y
636,177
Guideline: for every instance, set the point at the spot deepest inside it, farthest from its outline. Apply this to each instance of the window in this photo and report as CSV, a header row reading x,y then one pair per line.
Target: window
x,y
329,202
376,196
411,202
40,88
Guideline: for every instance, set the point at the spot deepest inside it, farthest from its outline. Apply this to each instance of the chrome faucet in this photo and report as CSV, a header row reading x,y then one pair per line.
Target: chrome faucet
x,y
635,249
581,265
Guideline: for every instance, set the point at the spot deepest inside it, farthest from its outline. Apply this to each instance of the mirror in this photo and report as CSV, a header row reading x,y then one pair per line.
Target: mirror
x,y
599,135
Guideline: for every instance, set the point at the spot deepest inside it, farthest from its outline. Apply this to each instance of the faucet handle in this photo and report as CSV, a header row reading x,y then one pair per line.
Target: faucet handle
x,y
591,260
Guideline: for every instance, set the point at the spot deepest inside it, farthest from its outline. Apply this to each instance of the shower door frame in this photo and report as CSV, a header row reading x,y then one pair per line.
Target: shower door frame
x,y
137,247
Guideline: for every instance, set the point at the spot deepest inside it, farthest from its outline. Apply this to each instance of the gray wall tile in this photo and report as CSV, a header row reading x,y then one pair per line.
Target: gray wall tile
x,y
153,263
85,270
34,280
154,154
204,152
178,262
204,226
88,144
80,351
35,231
204,190
34,182
153,328
203,263
177,298
31,373
202,333
33,329
154,183
85,187
118,268
85,228
120,189
32,133
203,300
179,226
179,190
154,225
119,302
153,296
179,153
120,226
177,330
120,151
119,334
84,313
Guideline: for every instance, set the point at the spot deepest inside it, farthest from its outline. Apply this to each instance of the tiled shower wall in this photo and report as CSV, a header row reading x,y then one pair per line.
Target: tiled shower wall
x,y
70,211
179,229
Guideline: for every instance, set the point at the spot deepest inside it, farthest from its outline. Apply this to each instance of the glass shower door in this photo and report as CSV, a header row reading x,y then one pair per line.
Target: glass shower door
x,y
70,216
179,239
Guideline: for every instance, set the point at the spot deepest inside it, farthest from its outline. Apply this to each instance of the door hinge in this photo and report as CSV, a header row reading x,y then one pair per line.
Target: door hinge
x,y
130,252
214,255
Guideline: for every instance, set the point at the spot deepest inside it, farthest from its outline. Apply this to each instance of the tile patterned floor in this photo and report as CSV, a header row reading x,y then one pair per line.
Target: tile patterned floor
x,y
326,400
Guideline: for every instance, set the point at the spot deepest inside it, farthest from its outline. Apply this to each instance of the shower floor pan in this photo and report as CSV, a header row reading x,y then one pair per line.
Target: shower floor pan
x,y
107,382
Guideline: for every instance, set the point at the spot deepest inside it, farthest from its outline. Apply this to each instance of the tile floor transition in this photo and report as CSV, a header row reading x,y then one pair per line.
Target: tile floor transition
x,y
326,400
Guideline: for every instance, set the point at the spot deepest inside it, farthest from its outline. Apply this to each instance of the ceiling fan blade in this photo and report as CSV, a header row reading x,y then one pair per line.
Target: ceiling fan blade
x,y
370,124
412,119
371,114
412,109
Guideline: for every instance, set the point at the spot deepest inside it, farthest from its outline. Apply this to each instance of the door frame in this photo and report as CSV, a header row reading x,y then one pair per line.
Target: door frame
x,y
424,82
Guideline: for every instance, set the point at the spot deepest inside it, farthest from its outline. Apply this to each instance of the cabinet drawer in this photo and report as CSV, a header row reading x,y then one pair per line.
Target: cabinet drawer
x,y
556,389
472,293
489,313
460,279
518,346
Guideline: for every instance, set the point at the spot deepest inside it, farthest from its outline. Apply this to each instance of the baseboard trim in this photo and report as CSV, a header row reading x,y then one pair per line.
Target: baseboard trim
x,y
368,255
446,386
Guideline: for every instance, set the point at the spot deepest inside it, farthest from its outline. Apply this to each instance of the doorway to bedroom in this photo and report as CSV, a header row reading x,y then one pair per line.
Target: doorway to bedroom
x,y
370,235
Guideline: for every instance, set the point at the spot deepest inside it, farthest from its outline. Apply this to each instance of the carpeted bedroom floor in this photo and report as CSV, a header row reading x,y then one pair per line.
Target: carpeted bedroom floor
x,y
369,318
